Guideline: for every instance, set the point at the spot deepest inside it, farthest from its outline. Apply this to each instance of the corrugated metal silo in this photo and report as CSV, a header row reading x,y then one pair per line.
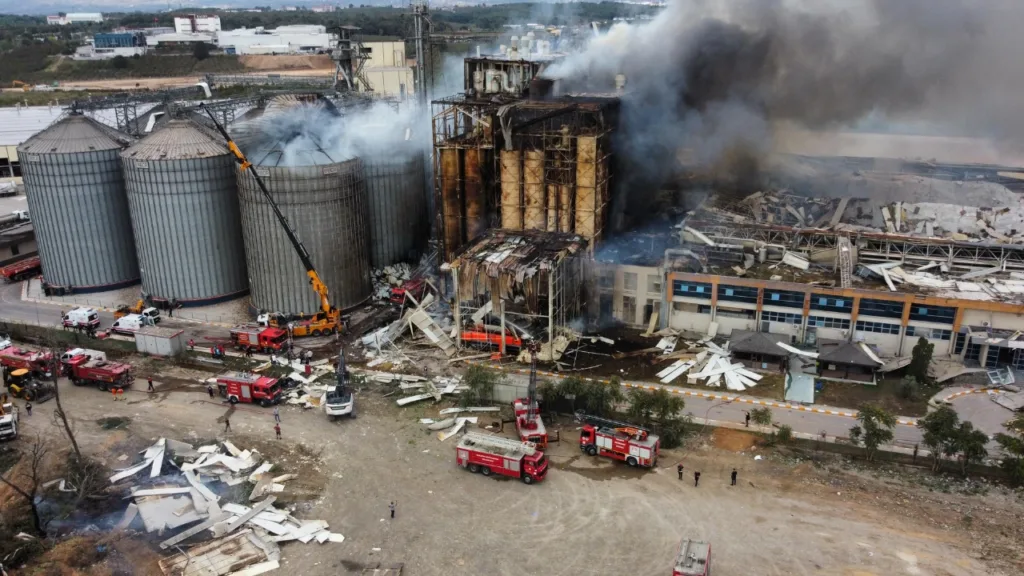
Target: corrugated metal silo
x,y
398,209
76,196
184,207
325,203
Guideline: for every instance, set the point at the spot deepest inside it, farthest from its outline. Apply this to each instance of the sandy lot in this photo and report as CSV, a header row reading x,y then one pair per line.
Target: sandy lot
x,y
591,516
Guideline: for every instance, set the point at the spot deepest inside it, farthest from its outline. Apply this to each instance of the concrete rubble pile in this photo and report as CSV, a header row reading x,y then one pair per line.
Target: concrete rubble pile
x,y
425,318
181,492
388,277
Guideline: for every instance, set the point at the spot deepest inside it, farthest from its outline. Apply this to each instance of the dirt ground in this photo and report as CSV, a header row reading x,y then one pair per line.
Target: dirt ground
x,y
788,515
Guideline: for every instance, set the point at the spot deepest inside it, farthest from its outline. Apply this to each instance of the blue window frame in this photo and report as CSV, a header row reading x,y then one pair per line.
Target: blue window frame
x,y
940,314
785,298
882,308
691,289
737,294
831,303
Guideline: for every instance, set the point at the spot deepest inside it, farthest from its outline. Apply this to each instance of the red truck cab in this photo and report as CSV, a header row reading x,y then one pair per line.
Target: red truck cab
x,y
84,370
489,454
694,559
14,358
249,388
416,288
266,340
530,430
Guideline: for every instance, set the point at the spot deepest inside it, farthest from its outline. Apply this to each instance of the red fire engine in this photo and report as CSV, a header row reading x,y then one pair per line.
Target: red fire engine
x,y
247,388
266,340
83,370
21,269
488,454
634,445
529,425
694,559
13,358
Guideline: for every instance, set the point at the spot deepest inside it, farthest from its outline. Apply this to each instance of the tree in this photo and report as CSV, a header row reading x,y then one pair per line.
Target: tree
x,y
970,444
660,411
480,382
762,416
201,51
875,429
908,388
119,62
60,417
1013,447
920,359
785,434
939,428
28,488
600,399
572,388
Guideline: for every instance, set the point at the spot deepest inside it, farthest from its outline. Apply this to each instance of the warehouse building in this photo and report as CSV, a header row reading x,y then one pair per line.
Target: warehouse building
x,y
293,39
74,18
112,44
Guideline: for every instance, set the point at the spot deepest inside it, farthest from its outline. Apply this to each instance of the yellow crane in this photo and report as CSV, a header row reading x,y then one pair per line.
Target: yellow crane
x,y
328,319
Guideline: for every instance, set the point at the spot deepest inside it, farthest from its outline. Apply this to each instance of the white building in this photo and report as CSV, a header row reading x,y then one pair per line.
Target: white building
x,y
180,38
74,18
324,8
292,39
192,24
386,69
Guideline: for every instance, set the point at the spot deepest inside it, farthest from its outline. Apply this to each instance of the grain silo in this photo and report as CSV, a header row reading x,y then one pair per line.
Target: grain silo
x,y
399,222
184,209
76,195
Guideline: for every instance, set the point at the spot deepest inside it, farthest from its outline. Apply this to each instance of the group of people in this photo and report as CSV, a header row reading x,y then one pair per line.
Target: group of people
x,y
696,475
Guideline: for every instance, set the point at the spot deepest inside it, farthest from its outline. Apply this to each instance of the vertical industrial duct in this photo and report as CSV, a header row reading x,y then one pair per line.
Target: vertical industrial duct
x,y
184,208
76,195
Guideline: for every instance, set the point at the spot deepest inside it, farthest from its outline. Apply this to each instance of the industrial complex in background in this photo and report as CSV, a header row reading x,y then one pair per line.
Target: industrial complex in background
x,y
840,255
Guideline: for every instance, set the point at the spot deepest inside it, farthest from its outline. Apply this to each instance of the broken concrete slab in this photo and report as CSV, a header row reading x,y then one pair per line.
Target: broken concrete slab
x,y
129,515
221,557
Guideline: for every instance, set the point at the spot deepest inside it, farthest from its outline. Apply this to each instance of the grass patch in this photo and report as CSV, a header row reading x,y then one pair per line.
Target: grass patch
x,y
886,395
114,422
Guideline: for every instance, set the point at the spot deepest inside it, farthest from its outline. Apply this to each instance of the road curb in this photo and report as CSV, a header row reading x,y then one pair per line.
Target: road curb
x,y
681,392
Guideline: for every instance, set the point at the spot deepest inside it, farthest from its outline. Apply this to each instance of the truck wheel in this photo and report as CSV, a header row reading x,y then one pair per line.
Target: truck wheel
x,y
264,403
104,387
527,479
76,382
632,461
233,399
316,333
592,450
486,471
334,330
29,395
474,468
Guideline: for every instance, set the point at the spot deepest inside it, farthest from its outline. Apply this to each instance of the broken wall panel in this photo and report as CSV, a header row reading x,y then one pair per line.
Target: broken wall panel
x,y
511,190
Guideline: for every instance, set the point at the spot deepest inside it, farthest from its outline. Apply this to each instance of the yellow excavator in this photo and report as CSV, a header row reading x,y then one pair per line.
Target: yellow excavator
x,y
21,384
328,319
25,86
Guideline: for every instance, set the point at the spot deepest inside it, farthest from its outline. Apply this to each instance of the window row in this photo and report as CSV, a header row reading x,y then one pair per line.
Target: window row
x,y
878,327
930,333
769,316
826,322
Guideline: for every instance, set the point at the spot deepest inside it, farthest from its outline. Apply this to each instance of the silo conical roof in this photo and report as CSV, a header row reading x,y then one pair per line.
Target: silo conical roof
x,y
178,139
76,133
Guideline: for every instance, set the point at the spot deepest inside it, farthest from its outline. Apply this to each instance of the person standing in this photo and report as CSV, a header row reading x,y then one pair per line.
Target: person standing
x,y
28,408
277,431
915,453
149,381
227,425
733,477
746,419
209,390
191,345
696,479
277,415
679,470
392,508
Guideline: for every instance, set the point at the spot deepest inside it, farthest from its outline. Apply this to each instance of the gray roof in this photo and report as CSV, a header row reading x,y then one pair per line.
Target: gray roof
x,y
842,352
757,342
18,124
177,140
76,133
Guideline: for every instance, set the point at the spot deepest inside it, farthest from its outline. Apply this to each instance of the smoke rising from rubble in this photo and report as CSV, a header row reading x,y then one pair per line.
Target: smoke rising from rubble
x,y
308,134
716,77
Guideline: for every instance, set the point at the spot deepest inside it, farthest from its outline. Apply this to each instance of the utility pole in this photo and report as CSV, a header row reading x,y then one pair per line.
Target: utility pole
x,y
421,17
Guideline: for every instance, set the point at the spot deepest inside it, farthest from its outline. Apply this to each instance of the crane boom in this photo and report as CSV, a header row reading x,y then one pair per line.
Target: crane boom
x,y
314,277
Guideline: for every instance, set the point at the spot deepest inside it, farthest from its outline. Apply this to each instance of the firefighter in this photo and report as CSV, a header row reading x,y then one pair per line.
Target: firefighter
x,y
679,470
915,453
209,389
696,479
277,414
28,408
392,508
150,382
227,425
277,430
746,419
733,477
191,345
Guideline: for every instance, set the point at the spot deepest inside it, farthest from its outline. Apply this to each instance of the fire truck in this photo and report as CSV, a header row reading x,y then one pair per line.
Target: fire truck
x,y
529,425
35,362
694,559
22,269
489,454
255,338
83,370
634,445
249,388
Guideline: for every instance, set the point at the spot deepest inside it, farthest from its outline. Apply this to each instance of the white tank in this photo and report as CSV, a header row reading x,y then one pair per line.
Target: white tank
x,y
493,82
478,81
502,49
515,42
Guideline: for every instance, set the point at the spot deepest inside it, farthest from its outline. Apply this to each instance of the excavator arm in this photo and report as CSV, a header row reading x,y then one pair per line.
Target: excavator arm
x,y
314,277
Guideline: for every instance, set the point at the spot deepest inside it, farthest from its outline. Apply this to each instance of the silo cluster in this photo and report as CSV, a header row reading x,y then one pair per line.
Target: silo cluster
x,y
397,209
76,196
184,206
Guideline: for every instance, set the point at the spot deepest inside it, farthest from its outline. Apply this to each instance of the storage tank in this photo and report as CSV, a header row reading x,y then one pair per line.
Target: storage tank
x,y
76,196
183,198
325,203
397,209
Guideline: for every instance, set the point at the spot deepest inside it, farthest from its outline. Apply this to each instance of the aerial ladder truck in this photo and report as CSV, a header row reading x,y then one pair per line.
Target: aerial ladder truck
x,y
328,319
529,425
632,444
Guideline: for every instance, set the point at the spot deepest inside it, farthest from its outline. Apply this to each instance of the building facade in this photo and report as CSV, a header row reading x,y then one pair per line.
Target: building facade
x,y
386,70
112,44
192,23
295,39
74,18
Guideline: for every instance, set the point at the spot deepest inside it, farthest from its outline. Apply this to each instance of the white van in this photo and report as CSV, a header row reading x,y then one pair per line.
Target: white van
x,y
94,354
153,314
131,323
82,318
